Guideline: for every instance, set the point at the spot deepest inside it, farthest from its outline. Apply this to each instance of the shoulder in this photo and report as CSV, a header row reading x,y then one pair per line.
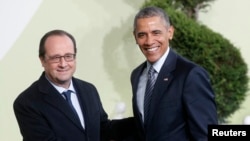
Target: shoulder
x,y
187,66
29,94
140,67
82,84
30,90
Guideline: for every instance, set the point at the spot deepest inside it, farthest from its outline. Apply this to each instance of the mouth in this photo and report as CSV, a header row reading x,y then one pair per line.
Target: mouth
x,y
62,70
152,49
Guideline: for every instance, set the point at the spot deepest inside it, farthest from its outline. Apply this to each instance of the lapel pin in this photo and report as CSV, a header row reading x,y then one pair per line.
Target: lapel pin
x,y
165,79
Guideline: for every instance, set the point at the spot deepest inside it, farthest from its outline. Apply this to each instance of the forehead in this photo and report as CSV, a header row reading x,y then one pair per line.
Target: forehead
x,y
150,23
59,44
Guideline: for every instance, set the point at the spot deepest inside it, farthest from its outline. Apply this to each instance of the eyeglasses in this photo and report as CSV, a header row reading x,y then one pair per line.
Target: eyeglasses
x,y
67,58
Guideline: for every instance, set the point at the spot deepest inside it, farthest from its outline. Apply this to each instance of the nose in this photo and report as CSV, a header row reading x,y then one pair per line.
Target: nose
x,y
149,40
62,61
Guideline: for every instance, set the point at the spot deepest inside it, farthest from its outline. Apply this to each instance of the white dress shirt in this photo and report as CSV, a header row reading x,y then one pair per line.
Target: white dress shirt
x,y
143,82
74,100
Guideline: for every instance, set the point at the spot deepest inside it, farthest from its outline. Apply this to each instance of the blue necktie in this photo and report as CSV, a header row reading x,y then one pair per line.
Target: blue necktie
x,y
68,99
148,92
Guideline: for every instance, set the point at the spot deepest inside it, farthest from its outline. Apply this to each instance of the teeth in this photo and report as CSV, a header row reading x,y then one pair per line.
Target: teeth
x,y
152,49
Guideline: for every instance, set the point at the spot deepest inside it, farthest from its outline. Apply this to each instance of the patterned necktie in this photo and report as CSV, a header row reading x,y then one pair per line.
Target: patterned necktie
x,y
148,92
68,99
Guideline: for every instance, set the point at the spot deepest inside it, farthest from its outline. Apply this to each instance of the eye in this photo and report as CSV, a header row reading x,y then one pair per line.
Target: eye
x,y
140,35
69,56
55,57
156,32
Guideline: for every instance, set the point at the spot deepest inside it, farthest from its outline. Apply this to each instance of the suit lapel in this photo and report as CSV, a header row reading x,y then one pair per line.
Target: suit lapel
x,y
135,81
53,98
164,78
82,94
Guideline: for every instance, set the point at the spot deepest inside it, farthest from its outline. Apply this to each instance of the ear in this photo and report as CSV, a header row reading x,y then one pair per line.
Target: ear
x,y
134,33
42,60
171,32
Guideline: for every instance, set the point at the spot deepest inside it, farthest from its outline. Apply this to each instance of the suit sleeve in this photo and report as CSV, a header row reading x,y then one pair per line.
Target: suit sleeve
x,y
32,125
200,106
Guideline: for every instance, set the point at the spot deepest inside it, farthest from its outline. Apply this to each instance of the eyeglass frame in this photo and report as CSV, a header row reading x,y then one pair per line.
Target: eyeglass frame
x,y
57,58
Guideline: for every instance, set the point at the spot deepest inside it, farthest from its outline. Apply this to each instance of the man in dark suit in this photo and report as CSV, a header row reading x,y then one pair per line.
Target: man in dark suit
x,y
182,102
45,113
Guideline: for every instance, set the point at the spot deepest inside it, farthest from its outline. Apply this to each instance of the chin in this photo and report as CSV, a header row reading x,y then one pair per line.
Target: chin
x,y
152,59
63,80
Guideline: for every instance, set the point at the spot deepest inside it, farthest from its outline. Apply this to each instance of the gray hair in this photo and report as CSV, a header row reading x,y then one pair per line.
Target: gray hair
x,y
152,11
57,32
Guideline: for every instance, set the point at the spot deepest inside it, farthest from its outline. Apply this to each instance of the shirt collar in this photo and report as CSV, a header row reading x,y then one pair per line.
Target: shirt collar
x,y
61,89
158,64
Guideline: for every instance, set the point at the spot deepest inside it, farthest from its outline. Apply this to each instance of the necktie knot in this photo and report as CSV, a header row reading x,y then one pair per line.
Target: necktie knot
x,y
151,72
67,95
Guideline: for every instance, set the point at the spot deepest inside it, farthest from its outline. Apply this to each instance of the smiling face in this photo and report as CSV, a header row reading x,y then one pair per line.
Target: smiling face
x,y
152,36
61,72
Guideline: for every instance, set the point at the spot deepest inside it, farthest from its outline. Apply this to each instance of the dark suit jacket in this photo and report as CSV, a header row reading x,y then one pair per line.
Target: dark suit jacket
x,y
44,115
183,102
